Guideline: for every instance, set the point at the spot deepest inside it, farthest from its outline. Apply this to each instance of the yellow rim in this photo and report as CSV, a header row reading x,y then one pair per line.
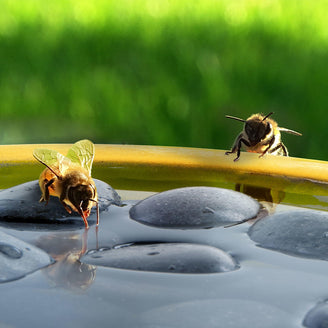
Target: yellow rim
x,y
146,165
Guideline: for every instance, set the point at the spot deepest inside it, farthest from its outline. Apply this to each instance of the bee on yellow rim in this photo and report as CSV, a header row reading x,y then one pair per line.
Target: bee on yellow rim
x,y
260,135
69,178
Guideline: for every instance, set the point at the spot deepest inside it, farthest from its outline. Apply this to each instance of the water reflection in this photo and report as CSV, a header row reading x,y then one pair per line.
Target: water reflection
x,y
267,197
68,271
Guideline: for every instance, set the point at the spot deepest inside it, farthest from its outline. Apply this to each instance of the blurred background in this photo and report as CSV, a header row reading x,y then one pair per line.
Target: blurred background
x,y
163,72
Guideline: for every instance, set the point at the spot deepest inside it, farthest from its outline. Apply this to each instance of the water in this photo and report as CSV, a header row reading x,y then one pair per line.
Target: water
x,y
269,289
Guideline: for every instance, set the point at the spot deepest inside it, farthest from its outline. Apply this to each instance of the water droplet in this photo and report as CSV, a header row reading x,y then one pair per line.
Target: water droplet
x,y
208,210
153,253
103,249
122,245
10,251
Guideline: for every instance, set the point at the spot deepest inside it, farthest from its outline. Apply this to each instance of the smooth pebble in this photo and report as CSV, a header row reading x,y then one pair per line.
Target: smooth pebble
x,y
21,204
194,208
164,257
298,232
18,258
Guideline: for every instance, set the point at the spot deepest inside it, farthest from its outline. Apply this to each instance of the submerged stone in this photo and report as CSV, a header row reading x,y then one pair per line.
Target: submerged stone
x,y
164,257
217,312
17,258
21,204
317,317
195,207
301,232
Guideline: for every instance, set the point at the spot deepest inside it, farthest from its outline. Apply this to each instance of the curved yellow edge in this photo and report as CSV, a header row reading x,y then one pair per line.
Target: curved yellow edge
x,y
145,166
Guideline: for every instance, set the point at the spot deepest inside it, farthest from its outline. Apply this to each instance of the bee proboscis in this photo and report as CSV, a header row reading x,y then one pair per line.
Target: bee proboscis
x,y
69,178
260,135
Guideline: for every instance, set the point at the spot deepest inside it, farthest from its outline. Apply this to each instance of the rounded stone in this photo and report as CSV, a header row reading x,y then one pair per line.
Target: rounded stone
x,y
317,317
18,258
194,208
300,232
20,204
164,257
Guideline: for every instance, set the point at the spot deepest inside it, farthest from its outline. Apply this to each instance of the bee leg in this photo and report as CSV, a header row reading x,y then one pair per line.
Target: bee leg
x,y
283,147
245,142
85,222
46,195
80,211
97,206
66,206
233,150
270,143
235,145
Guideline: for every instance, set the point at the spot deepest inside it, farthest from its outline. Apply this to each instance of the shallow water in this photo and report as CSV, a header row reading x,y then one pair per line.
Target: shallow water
x,y
270,289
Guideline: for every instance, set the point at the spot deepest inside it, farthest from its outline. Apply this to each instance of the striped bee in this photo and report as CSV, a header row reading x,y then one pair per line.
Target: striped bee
x,y
261,134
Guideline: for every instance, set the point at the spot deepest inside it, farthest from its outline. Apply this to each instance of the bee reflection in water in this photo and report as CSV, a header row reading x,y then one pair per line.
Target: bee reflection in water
x,y
68,272
268,199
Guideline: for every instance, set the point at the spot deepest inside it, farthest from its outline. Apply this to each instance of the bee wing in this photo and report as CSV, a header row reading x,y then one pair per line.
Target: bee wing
x,y
290,131
54,161
82,153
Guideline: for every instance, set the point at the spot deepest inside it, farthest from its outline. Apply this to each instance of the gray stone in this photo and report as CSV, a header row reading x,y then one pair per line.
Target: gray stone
x,y
301,232
20,204
317,317
194,208
164,257
17,258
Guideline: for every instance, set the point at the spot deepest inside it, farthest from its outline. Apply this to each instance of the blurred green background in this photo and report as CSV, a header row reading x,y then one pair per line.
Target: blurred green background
x,y
163,72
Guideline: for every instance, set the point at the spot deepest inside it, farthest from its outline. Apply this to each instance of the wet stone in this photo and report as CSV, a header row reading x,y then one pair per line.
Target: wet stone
x,y
301,232
17,258
194,208
11,251
21,204
164,257
317,317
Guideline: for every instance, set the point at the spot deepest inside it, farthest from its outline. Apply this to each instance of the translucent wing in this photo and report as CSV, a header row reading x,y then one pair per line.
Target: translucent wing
x,y
54,161
290,131
82,153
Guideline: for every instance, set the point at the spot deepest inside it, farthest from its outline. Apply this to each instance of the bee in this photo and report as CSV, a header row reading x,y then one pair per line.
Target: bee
x,y
260,135
69,178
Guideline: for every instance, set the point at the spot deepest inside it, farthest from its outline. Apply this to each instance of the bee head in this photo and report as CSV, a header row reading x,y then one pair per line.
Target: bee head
x,y
82,197
257,128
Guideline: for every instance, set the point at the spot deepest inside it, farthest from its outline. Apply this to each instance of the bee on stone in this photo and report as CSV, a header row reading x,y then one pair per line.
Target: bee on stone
x,y
69,178
261,135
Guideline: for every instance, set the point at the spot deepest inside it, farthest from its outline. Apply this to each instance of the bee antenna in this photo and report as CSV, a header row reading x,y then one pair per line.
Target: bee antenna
x,y
235,118
265,117
93,200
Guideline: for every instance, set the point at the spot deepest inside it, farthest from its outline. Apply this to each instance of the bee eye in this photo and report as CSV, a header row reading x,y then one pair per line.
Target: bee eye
x,y
93,190
249,129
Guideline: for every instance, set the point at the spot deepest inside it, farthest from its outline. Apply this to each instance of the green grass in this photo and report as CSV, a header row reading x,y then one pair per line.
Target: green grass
x,y
162,72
